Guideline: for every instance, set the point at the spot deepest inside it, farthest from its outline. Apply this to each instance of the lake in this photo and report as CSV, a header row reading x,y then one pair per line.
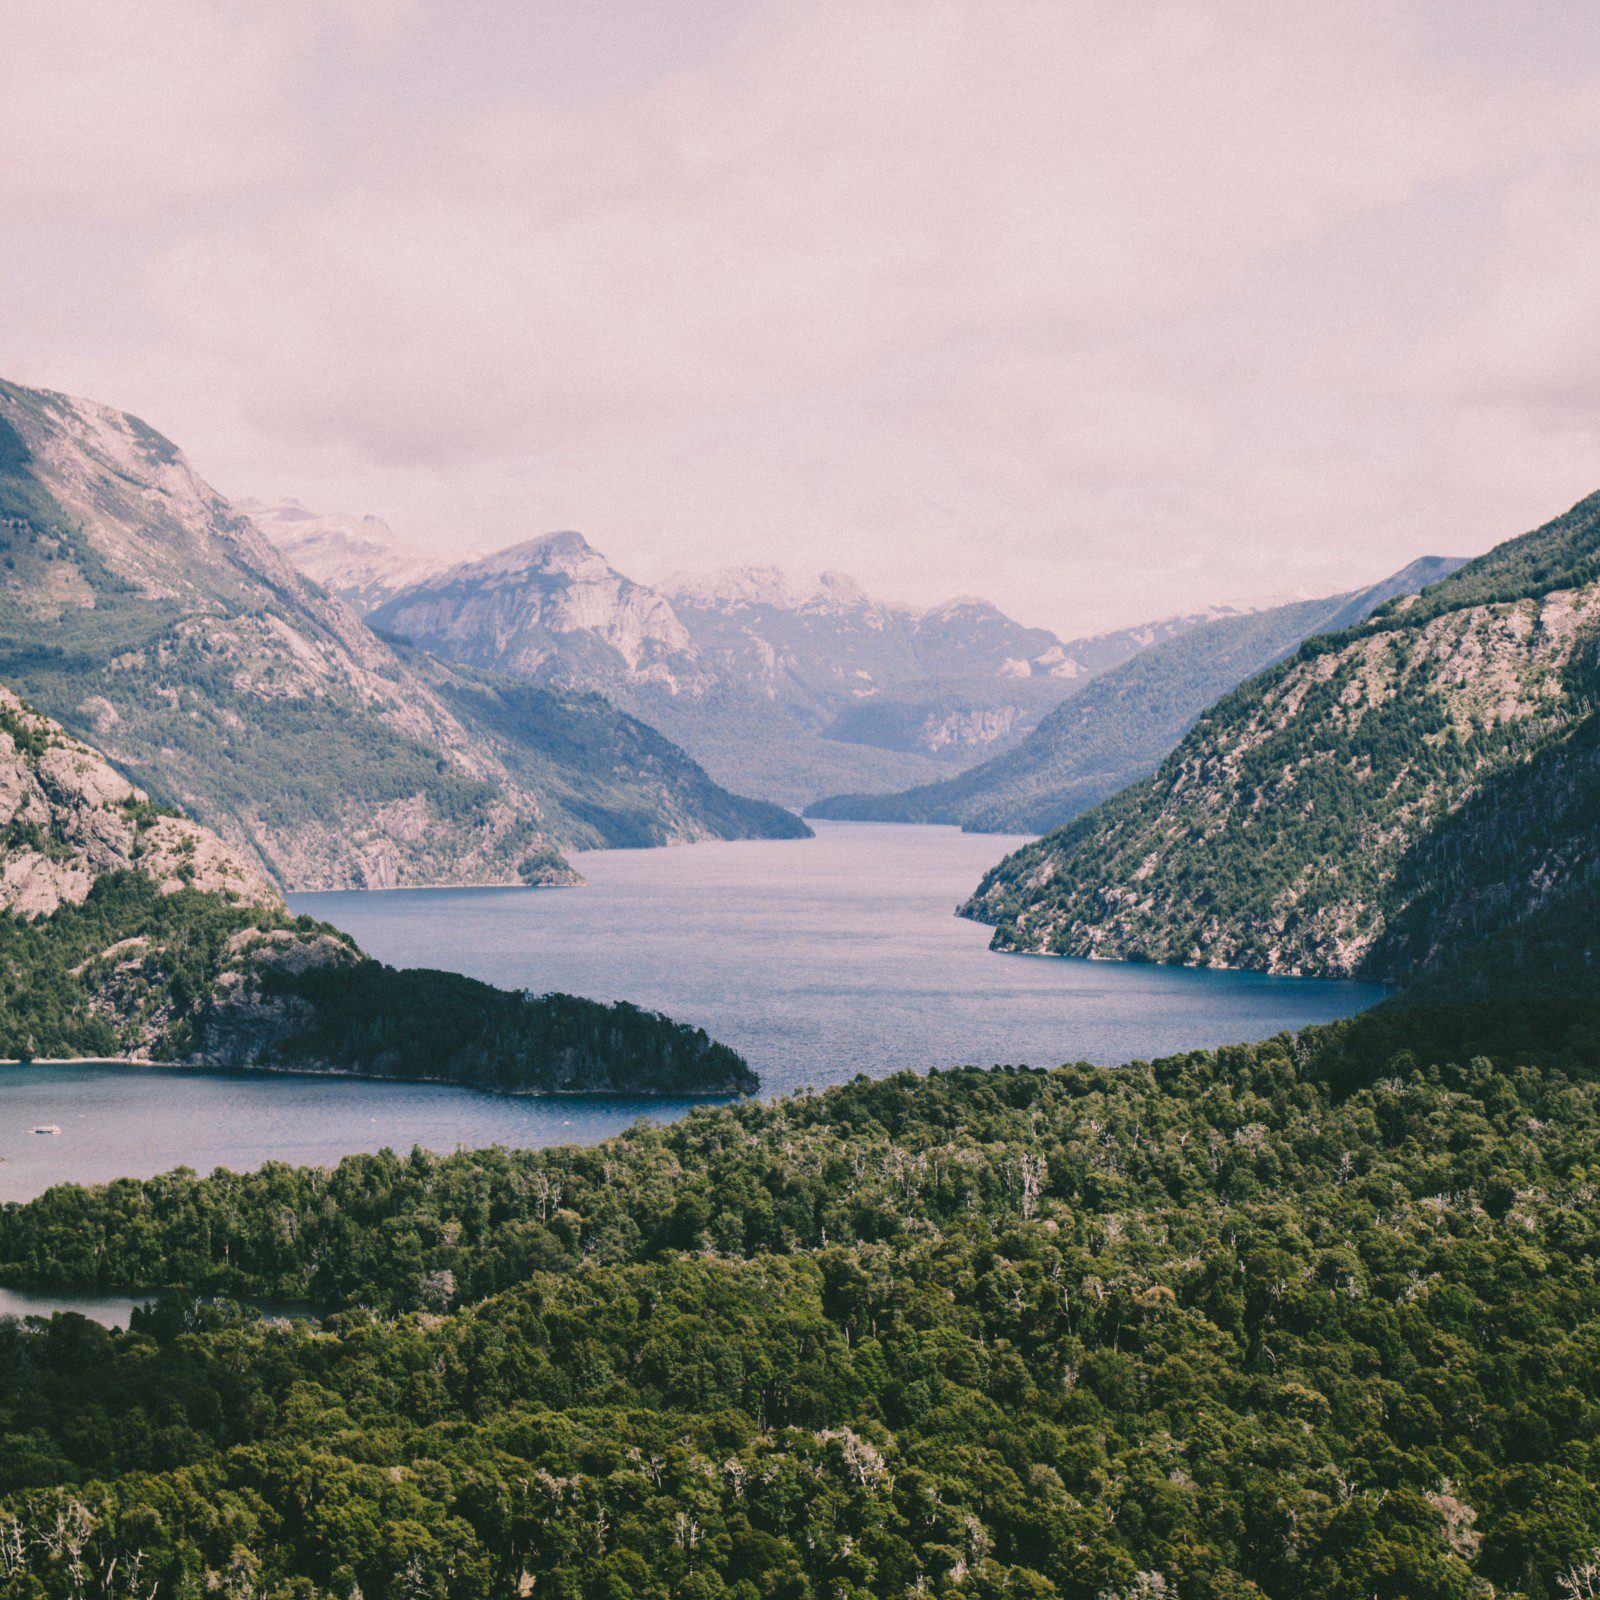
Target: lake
x,y
817,959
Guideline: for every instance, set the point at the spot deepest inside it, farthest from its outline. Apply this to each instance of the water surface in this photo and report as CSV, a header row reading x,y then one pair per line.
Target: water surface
x,y
817,959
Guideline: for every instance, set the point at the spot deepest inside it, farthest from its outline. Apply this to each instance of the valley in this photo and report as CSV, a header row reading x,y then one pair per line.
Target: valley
x,y
799,801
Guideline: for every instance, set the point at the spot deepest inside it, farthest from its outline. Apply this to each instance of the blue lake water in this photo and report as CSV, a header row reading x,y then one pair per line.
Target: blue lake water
x,y
817,959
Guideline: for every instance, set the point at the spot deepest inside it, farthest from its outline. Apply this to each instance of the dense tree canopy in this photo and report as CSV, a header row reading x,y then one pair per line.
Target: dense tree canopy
x,y
1316,1317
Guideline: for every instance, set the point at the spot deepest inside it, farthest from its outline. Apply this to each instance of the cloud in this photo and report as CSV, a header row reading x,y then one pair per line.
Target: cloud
x,y
1101,309
125,111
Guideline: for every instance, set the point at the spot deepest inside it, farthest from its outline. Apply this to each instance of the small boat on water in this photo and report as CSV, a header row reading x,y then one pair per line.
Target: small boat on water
x,y
48,1127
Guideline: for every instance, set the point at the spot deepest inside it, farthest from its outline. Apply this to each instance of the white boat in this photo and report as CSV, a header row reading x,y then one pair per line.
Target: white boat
x,y
49,1127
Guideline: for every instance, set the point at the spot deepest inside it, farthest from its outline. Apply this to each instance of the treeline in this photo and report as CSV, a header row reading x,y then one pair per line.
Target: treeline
x,y
1318,1318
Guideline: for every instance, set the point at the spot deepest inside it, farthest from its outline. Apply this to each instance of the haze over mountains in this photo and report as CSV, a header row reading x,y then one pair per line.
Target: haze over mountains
x,y
147,614
781,685
1121,725
360,559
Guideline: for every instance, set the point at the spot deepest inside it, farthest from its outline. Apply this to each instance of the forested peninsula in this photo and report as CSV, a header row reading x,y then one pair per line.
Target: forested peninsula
x,y
128,931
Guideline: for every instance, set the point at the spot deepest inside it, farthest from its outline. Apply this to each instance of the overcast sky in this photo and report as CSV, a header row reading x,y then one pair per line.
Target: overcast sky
x,y
1101,309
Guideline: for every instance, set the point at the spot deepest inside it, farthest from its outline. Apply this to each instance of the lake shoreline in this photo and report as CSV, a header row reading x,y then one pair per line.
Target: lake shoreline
x,y
707,1097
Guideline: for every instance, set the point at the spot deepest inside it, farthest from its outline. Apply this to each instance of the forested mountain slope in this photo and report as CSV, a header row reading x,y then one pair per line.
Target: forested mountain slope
x,y
1313,1319
129,931
1118,728
148,615
605,779
1399,799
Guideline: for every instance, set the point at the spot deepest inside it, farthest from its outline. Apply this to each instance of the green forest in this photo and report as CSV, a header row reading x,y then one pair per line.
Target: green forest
x,y
1318,1317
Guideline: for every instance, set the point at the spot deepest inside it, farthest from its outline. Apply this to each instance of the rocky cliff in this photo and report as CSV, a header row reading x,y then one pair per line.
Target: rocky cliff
x,y
359,559
780,686
148,615
1119,727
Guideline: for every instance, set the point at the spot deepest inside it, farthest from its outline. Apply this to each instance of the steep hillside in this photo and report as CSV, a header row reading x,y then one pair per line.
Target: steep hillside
x,y
605,780
359,559
149,616
1118,728
128,931
145,613
1408,797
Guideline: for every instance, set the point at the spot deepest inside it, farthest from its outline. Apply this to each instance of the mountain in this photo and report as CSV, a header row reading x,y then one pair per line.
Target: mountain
x,y
820,642
1118,728
127,930
359,559
151,617
553,609
605,780
1104,651
1412,797
782,686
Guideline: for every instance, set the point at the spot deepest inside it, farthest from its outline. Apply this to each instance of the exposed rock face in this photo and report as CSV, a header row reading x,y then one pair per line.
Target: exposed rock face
x,y
143,611
1334,816
252,1014
359,559
69,817
553,609
757,672
129,932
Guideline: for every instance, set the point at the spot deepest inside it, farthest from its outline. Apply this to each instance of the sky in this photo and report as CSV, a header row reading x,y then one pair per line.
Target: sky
x,y
1099,310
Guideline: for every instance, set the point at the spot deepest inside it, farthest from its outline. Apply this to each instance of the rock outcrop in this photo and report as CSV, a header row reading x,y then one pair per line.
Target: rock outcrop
x,y
1400,798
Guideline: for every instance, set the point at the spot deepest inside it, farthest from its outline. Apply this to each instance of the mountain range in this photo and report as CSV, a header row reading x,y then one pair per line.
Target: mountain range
x,y
785,686
1411,798
1120,726
360,559
151,617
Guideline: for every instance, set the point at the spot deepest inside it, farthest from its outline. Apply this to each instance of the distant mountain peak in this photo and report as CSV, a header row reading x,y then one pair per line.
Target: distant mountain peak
x,y
777,588
359,558
962,605
564,551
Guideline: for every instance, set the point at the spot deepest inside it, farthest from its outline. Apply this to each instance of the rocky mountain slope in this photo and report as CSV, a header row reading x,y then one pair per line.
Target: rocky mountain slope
x,y
129,931
553,609
1411,796
781,686
148,615
359,559
605,780
1118,728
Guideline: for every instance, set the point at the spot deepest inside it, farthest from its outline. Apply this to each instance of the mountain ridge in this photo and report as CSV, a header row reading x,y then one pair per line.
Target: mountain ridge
x,y
153,618
130,932
1121,725
1317,819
